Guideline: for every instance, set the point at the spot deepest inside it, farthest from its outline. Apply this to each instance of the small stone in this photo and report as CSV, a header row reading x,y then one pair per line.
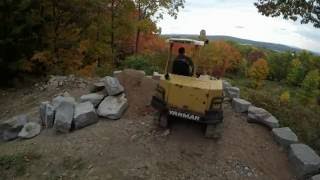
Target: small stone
x,y
30,130
84,115
116,73
99,86
166,133
94,98
284,136
113,107
113,86
240,105
304,159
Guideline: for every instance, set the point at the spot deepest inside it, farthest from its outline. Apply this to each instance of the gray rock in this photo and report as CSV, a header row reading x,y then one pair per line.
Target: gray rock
x,y
59,99
47,114
113,86
113,107
226,84
84,115
116,73
256,113
316,177
64,116
271,122
99,86
30,130
304,160
94,98
284,136
240,105
261,116
10,129
233,92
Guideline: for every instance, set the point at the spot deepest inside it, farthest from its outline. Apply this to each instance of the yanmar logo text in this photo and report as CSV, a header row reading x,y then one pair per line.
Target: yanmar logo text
x,y
184,115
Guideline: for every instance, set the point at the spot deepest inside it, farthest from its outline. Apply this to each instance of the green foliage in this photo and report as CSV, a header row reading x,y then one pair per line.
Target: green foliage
x,y
310,83
296,74
303,10
279,65
141,62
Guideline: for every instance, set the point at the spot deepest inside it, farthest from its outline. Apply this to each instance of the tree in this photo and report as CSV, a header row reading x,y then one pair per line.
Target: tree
x,y
219,57
279,64
307,11
259,72
311,82
146,10
295,74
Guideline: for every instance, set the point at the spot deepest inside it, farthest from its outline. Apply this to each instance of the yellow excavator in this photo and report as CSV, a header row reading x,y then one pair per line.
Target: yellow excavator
x,y
197,98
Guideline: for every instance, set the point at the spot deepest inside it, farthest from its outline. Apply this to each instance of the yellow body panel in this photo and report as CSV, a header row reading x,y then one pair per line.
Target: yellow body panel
x,y
190,93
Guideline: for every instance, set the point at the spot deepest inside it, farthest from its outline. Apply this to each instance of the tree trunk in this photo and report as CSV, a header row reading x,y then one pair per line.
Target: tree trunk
x,y
112,32
137,41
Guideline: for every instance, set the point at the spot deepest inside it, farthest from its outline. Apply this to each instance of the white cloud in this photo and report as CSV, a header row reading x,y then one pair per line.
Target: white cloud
x,y
224,17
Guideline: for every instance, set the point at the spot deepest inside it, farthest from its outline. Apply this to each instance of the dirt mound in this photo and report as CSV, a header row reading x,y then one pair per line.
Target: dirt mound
x,y
139,90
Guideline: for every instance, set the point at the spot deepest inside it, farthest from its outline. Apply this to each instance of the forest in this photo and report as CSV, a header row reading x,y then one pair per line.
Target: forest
x,y
95,37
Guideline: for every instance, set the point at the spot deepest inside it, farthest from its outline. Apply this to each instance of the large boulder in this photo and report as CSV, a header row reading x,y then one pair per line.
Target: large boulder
x,y
257,114
46,114
240,105
94,98
113,86
304,160
263,117
113,107
10,129
233,92
59,99
84,115
64,116
30,130
316,177
284,136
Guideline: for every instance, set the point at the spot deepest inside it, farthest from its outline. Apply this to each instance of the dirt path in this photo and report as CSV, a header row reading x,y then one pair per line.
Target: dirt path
x,y
135,148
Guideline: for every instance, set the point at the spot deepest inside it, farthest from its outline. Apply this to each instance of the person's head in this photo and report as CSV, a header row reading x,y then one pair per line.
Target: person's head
x,y
182,50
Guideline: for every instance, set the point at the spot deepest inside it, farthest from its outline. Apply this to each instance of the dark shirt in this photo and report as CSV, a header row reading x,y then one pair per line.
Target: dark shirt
x,y
182,65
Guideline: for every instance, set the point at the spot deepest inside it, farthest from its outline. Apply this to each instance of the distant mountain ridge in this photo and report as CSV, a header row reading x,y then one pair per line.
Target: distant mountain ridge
x,y
266,45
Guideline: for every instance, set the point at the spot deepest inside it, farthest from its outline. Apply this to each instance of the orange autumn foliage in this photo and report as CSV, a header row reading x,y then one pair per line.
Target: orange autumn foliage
x,y
219,57
259,72
151,43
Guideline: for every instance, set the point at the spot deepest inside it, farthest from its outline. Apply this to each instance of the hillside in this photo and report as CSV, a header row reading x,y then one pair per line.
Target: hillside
x,y
266,45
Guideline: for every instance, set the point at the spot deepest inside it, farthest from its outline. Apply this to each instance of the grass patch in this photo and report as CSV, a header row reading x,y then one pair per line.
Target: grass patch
x,y
16,165
301,116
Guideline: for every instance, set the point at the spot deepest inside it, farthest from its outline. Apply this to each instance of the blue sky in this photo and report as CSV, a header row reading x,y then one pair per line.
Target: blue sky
x,y
240,18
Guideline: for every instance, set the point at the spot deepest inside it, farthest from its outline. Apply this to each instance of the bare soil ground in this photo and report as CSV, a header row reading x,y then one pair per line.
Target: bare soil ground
x,y
136,148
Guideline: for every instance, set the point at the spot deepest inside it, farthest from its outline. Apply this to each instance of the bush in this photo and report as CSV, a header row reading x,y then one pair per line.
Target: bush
x,y
295,74
285,98
141,62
